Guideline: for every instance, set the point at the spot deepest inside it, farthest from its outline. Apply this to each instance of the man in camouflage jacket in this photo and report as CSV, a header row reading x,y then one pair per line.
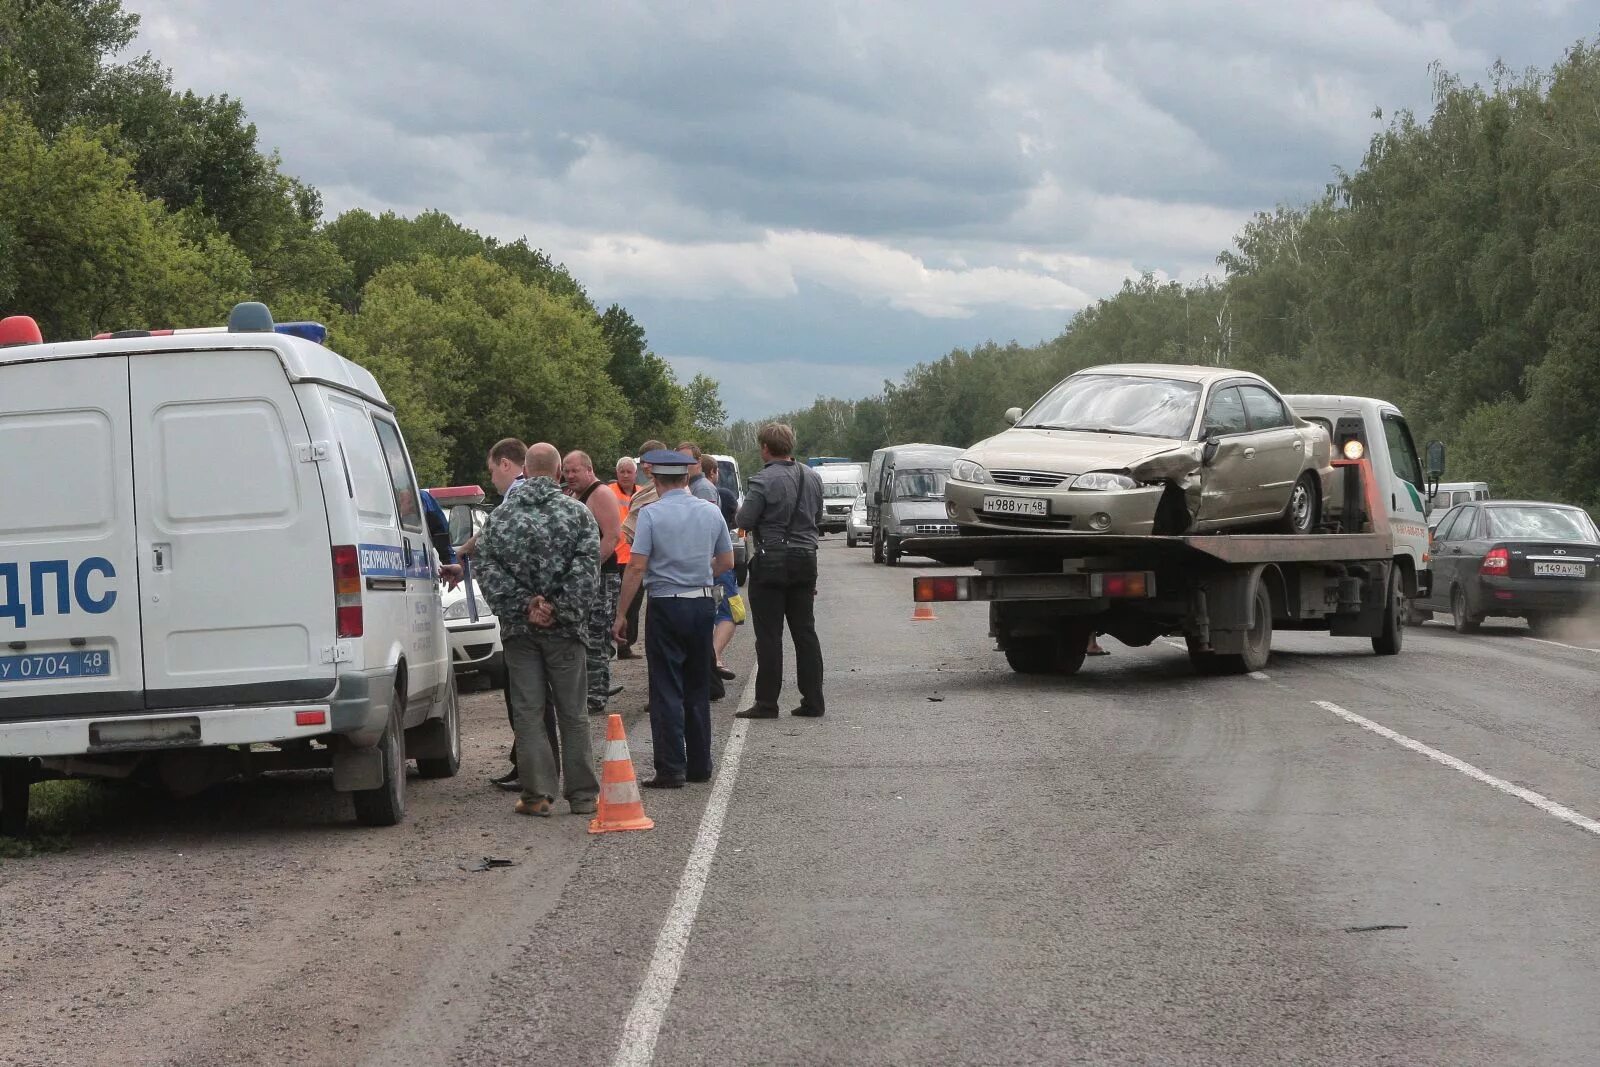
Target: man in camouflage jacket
x,y
540,570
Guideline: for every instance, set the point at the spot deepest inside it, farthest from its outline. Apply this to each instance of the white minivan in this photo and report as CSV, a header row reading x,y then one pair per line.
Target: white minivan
x,y
220,565
1385,439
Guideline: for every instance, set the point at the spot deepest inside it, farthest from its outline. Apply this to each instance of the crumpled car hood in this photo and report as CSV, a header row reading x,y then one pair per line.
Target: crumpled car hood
x,y
1148,459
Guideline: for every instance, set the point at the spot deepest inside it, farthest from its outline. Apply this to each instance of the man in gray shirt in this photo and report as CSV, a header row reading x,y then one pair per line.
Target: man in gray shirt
x,y
783,508
699,484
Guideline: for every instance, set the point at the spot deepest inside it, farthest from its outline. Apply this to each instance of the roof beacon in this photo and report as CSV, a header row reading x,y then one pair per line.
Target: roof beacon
x,y
310,331
19,330
250,317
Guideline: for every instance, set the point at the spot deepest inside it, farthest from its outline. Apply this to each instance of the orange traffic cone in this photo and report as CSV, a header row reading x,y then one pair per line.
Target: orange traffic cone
x,y
923,613
620,806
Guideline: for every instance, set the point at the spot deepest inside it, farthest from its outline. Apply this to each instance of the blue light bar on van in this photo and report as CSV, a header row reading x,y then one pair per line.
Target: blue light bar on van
x,y
310,331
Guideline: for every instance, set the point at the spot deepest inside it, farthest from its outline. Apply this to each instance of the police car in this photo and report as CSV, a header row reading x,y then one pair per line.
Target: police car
x,y
475,645
224,567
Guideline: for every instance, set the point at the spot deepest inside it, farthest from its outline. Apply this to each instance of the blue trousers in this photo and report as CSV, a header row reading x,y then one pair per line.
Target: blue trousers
x,y
677,648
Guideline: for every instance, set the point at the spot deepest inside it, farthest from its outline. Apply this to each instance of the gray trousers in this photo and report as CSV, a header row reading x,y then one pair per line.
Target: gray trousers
x,y
602,617
537,664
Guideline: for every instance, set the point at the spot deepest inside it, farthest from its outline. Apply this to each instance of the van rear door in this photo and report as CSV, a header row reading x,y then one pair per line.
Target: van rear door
x,y
69,595
235,560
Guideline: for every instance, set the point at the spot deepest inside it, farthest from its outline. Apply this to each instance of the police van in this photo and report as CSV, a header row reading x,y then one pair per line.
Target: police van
x,y
222,566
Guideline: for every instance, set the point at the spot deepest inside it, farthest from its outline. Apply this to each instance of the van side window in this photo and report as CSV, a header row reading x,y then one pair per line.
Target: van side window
x,y
1402,453
364,460
407,504
1225,413
1265,410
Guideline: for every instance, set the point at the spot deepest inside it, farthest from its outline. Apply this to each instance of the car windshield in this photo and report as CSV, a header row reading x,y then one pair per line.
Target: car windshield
x,y
1119,404
1540,524
919,485
841,490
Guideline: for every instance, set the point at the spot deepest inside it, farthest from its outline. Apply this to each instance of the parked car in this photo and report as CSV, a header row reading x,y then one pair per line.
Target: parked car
x,y
475,644
1147,448
1514,559
857,530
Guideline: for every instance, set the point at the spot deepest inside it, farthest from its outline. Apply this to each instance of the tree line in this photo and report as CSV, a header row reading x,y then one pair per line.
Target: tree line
x,y
1454,272
126,203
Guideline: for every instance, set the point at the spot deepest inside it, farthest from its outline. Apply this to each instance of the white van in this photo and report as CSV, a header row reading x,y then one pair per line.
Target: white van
x,y
842,483
223,548
1386,440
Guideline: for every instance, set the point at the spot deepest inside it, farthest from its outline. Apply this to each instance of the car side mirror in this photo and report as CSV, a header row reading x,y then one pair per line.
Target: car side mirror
x,y
1208,453
1013,416
877,497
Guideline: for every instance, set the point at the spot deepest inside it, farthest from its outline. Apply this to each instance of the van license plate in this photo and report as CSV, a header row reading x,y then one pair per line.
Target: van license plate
x,y
43,666
1016,505
1544,569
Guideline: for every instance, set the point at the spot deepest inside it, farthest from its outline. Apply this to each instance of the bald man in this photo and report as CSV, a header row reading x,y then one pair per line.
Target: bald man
x,y
540,551
588,490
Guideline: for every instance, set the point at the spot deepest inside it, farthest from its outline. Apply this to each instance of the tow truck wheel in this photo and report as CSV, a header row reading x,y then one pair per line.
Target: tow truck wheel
x,y
16,778
1257,644
1389,641
1049,654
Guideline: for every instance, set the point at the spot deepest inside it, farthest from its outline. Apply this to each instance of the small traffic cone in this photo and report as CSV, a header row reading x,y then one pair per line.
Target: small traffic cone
x,y
620,806
923,613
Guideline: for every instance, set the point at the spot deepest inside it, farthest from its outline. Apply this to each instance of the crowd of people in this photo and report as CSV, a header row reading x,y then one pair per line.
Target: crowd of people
x,y
580,570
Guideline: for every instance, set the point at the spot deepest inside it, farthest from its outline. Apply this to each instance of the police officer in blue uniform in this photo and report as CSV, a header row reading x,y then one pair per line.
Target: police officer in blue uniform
x,y
680,547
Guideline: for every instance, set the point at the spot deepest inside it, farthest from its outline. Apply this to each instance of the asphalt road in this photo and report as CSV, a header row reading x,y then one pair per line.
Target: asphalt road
x,y
1346,859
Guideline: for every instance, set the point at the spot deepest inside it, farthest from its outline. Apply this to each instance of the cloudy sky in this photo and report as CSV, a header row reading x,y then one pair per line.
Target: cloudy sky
x,y
807,198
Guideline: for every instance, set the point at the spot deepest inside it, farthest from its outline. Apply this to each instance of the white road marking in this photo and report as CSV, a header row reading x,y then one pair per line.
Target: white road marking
x,y
1558,644
1538,800
639,1033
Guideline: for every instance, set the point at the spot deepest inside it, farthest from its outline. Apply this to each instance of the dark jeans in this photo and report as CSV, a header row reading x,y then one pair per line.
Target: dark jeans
x,y
783,588
679,654
633,620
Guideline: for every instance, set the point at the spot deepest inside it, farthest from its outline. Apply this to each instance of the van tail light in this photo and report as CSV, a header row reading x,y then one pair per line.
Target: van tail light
x,y
1498,561
347,591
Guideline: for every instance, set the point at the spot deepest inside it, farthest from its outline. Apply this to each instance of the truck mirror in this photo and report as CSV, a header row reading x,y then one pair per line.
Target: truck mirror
x,y
1013,416
1435,460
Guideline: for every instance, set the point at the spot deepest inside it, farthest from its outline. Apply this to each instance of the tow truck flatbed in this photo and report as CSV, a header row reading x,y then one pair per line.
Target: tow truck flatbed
x,y
969,550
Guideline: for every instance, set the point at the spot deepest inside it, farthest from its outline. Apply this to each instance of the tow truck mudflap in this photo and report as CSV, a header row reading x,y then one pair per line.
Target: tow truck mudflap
x,y
1081,585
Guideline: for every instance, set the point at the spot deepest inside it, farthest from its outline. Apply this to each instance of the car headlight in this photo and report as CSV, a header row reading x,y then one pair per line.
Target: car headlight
x,y
1104,481
964,470
458,610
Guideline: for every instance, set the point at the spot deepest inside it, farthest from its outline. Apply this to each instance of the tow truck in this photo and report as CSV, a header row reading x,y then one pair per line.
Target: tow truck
x,y
1049,594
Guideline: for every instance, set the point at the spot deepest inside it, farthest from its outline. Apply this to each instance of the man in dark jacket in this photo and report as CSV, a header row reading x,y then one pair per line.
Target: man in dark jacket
x,y
782,510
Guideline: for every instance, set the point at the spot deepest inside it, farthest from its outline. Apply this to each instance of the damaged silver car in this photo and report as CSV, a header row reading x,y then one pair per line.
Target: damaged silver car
x,y
1147,449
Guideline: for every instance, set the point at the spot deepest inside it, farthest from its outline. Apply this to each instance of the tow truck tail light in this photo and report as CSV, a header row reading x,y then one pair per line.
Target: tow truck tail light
x,y
1120,584
939,590
347,591
1498,561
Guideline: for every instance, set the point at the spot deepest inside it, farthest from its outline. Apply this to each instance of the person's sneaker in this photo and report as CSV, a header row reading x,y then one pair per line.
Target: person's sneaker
x,y
756,712
805,712
581,806
540,807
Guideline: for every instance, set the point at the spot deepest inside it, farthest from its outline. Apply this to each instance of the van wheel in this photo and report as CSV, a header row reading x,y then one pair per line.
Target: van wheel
x,y
1388,642
1304,511
849,540
386,805
16,779
443,735
891,552
877,546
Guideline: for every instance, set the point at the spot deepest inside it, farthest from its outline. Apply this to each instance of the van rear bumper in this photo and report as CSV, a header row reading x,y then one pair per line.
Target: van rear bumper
x,y
358,710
